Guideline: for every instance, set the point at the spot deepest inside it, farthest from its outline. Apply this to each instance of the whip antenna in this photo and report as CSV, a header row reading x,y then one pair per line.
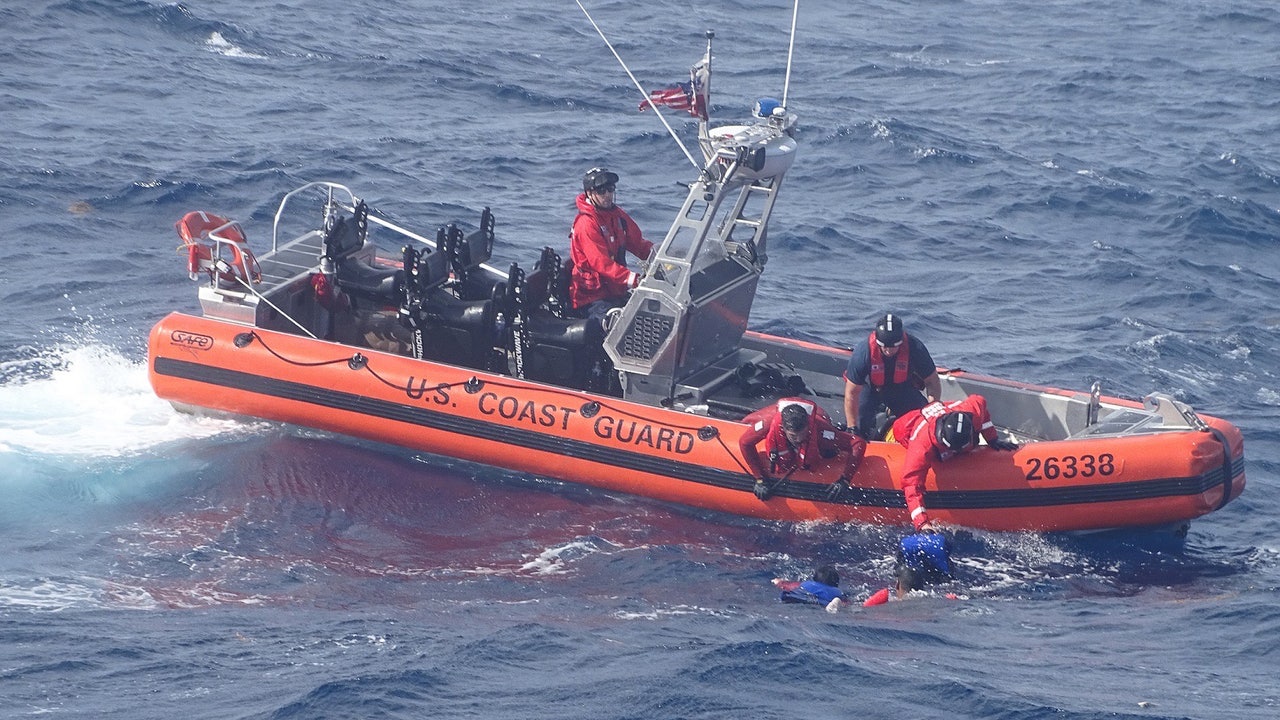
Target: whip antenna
x,y
791,47
639,87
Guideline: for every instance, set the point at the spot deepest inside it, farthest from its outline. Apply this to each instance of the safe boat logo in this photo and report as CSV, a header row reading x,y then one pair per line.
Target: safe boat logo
x,y
190,340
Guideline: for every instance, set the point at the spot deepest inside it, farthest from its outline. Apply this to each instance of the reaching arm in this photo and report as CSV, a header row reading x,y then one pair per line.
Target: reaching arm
x,y
978,406
857,449
635,242
914,471
933,387
851,393
747,445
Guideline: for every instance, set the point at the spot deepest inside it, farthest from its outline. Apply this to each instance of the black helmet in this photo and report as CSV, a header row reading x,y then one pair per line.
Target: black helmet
x,y
794,418
598,177
955,431
889,330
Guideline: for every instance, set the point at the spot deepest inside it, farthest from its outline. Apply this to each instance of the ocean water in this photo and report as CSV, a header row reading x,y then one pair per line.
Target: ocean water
x,y
1056,192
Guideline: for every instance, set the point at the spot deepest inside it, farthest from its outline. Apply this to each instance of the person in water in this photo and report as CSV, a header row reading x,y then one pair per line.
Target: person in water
x,y
602,235
936,433
823,589
796,432
890,370
923,559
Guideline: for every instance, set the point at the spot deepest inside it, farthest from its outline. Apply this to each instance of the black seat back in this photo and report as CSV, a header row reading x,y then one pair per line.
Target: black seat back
x,y
459,332
564,351
371,282
356,276
549,284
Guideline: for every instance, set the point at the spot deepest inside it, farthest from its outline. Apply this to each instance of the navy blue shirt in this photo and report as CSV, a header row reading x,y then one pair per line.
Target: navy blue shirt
x,y
898,398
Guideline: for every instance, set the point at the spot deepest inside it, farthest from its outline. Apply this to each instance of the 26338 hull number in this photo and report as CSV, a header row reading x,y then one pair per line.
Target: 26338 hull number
x,y
1070,466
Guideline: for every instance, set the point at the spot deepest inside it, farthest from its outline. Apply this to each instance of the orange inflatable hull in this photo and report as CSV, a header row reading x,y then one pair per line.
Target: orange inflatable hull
x,y
1091,484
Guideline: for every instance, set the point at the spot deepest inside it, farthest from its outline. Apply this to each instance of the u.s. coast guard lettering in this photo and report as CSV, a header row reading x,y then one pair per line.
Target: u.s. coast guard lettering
x,y
636,432
418,389
525,411
623,431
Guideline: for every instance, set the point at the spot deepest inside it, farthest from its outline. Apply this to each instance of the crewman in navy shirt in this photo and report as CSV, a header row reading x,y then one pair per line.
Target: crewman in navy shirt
x,y
891,370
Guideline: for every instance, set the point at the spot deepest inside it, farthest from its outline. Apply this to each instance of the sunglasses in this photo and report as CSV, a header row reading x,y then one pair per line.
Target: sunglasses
x,y
606,188
886,347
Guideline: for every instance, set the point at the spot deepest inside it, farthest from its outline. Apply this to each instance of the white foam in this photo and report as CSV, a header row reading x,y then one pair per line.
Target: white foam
x,y
674,611
1019,559
47,595
96,403
1267,396
553,560
222,46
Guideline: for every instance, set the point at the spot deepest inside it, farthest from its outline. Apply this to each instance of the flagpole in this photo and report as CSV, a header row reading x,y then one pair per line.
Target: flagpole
x,y
707,92
791,46
639,87
704,120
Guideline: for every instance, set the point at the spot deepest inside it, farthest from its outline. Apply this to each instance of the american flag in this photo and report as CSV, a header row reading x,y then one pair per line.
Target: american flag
x,y
691,96
676,97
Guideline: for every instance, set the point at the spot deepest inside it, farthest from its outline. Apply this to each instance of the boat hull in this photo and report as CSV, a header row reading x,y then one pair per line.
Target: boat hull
x,y
1087,484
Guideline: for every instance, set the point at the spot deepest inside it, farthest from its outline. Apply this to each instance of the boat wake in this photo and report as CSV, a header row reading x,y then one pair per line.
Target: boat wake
x,y
90,402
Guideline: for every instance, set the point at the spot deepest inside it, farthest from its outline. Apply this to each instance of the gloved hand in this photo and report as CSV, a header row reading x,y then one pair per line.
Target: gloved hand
x,y
1004,445
837,488
762,490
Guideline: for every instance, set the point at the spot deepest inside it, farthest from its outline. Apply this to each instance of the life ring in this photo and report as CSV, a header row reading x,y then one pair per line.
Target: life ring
x,y
204,235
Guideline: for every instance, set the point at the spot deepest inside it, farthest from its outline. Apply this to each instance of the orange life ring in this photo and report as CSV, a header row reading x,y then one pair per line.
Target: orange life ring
x,y
204,235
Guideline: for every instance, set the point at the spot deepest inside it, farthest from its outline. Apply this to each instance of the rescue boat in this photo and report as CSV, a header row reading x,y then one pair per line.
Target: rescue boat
x,y
362,327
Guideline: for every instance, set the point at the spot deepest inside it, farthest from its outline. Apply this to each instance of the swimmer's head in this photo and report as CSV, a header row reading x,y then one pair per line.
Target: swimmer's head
x,y
827,575
923,558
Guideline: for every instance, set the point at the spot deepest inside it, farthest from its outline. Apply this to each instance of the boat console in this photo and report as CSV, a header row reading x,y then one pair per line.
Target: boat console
x,y
680,334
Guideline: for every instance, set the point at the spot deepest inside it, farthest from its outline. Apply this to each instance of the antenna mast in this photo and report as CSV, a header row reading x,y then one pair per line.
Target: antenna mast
x,y
791,46
640,87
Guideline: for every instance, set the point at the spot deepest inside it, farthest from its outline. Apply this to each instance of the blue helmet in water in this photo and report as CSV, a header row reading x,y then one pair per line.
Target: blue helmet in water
x,y
923,558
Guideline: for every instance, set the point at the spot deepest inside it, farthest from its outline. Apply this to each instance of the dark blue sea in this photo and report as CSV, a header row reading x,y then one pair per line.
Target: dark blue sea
x,y
1055,192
